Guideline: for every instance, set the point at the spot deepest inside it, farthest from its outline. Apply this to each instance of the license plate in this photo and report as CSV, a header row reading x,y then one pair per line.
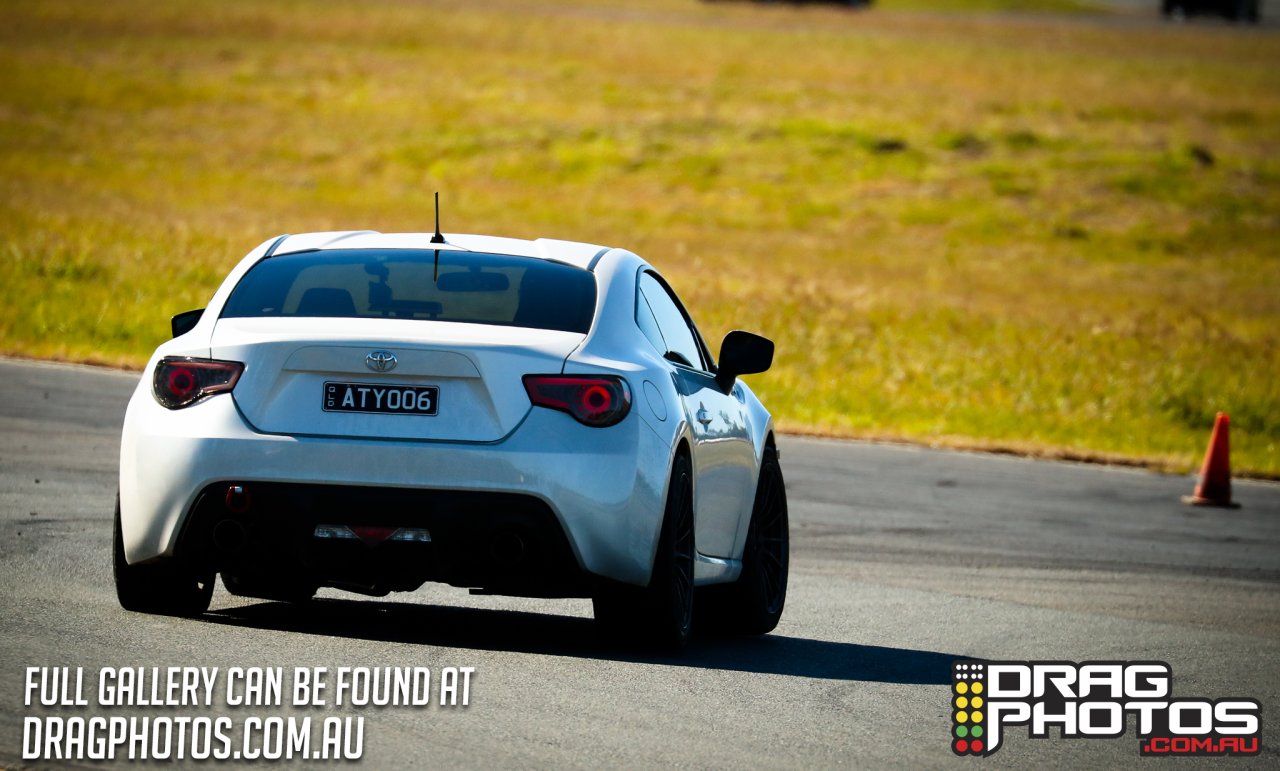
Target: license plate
x,y
383,399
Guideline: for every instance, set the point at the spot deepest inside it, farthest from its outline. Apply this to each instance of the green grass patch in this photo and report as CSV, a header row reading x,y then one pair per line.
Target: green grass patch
x,y
981,229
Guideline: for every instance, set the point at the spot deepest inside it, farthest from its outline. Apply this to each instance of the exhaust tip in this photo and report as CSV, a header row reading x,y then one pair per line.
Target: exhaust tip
x,y
508,547
229,536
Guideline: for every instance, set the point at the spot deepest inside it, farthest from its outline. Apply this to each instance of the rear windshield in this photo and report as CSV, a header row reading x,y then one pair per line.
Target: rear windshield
x,y
469,287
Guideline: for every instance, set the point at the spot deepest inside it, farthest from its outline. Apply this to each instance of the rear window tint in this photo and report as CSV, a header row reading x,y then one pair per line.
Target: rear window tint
x,y
468,287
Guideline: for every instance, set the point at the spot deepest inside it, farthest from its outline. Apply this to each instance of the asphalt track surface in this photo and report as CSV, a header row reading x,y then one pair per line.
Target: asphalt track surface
x,y
903,560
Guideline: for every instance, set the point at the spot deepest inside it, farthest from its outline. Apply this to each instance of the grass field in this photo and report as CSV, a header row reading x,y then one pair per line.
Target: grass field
x,y
1049,233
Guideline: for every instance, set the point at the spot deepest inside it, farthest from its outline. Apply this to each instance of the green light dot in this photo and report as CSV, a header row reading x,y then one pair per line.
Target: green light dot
x,y
962,731
977,731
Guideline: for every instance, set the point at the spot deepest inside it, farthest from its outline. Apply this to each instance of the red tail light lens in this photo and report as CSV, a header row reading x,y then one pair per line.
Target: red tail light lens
x,y
180,382
593,400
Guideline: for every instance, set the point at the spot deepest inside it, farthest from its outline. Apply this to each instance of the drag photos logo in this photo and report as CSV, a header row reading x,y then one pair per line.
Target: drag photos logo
x,y
1094,700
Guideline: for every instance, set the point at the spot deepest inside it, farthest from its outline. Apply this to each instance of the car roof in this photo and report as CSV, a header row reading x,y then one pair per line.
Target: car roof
x,y
572,252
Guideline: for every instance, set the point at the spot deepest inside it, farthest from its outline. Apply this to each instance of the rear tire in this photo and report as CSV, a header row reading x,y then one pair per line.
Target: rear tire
x,y
660,615
753,604
165,588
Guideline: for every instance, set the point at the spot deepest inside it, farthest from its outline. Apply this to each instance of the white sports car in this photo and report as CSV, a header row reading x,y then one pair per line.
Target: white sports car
x,y
372,411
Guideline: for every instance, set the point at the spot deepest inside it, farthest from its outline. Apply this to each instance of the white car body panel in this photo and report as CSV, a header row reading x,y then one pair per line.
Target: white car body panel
x,y
600,498
295,356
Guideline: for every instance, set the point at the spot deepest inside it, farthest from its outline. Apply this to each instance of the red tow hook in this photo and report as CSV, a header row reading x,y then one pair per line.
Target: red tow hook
x,y
238,499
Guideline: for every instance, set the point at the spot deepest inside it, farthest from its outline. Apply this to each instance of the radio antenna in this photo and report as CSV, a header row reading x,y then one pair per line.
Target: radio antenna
x,y
438,238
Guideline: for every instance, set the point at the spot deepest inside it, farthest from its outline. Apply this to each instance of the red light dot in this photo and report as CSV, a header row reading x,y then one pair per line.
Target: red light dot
x,y
962,745
596,399
182,382
977,745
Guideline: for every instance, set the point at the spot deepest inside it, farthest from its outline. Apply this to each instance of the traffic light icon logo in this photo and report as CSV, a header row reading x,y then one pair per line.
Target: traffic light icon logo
x,y
968,707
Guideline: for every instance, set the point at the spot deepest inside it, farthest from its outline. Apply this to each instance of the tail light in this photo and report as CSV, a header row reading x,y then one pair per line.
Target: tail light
x,y
180,382
593,400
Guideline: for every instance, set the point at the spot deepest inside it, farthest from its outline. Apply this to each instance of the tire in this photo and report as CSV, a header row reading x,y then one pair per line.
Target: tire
x,y
165,588
661,614
753,604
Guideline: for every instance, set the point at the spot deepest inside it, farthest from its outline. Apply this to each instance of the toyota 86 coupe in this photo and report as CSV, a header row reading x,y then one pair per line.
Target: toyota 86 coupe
x,y
373,411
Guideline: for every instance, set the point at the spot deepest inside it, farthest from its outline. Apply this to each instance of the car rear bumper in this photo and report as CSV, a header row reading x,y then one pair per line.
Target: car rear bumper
x,y
376,540
604,488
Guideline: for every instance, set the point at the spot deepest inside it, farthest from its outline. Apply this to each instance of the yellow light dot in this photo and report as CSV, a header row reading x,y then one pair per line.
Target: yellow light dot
x,y
962,717
977,702
977,717
962,702
962,687
977,687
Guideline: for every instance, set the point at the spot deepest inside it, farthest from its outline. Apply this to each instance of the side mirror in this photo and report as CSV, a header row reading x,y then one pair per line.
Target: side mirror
x,y
185,322
743,353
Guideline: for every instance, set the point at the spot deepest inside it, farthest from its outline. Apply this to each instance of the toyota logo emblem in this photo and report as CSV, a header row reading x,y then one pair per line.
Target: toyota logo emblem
x,y
381,361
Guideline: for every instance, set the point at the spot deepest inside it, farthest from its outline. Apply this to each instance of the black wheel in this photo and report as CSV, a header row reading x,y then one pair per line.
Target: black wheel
x,y
753,604
165,588
256,587
662,613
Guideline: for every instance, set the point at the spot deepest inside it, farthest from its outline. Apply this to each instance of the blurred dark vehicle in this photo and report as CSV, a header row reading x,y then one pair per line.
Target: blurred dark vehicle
x,y
1236,10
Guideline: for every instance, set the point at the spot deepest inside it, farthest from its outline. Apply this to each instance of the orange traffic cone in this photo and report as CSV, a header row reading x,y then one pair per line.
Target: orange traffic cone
x,y
1214,488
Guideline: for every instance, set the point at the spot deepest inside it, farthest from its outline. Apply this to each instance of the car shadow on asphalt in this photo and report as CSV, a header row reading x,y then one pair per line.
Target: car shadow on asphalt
x,y
548,634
